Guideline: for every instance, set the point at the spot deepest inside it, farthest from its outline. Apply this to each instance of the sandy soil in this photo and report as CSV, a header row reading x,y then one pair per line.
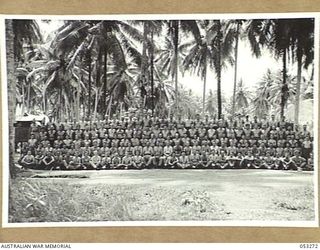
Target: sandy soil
x,y
166,195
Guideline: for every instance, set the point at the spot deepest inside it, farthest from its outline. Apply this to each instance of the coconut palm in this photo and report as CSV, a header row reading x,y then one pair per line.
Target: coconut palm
x,y
78,50
269,92
261,104
211,104
173,50
243,97
212,49
18,33
303,36
276,35
199,58
235,28
222,46
189,103
280,43
277,92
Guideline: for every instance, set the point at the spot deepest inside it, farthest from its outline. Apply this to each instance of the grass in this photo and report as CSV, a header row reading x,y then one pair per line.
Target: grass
x,y
296,200
233,197
39,200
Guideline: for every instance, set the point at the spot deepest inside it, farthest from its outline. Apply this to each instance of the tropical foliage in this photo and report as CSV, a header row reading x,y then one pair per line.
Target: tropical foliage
x,y
91,69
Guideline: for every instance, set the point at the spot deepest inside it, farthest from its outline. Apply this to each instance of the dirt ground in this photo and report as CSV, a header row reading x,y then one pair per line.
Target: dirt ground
x,y
133,195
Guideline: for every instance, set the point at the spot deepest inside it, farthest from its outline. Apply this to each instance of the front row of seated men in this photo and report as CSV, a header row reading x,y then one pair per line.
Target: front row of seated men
x,y
51,160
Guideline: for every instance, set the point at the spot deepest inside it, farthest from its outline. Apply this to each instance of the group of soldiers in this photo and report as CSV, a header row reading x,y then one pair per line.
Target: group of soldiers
x,y
151,142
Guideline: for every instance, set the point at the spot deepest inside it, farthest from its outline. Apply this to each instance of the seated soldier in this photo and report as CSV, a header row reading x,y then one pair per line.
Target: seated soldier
x,y
268,161
157,159
47,162
38,159
297,162
309,166
28,161
233,160
126,162
222,162
105,161
76,161
257,161
278,161
138,162
66,159
167,150
193,159
86,161
147,155
247,160
171,161
285,160
212,160
95,161
59,164
183,161
115,161
203,161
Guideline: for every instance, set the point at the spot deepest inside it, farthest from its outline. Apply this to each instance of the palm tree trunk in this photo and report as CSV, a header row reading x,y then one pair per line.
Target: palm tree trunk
x,y
89,97
60,105
78,100
204,87
176,58
104,102
121,105
144,62
11,65
235,69
284,85
109,107
297,101
151,72
95,105
23,99
44,103
83,108
28,97
219,71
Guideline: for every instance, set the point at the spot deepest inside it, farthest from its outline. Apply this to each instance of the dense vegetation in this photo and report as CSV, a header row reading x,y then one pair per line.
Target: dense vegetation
x,y
92,69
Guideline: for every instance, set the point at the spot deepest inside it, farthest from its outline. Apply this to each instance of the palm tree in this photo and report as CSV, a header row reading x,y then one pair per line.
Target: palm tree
x,y
18,32
261,103
303,36
277,93
276,35
242,98
11,91
211,103
221,45
269,92
280,42
169,56
198,60
76,53
189,104
213,49
164,92
234,27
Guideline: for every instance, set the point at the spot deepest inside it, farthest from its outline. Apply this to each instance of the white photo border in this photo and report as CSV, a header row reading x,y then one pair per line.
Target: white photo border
x,y
240,223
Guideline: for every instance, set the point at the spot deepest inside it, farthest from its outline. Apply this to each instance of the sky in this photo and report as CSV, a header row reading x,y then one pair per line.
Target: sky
x,y
250,69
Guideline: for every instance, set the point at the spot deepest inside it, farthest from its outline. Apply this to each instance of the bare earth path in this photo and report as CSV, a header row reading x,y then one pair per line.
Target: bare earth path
x,y
171,195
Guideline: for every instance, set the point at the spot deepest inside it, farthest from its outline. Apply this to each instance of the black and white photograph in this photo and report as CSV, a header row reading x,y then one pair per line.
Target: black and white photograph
x,y
160,120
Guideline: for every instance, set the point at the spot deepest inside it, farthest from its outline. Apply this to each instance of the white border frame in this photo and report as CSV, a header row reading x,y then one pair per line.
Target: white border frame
x,y
5,129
